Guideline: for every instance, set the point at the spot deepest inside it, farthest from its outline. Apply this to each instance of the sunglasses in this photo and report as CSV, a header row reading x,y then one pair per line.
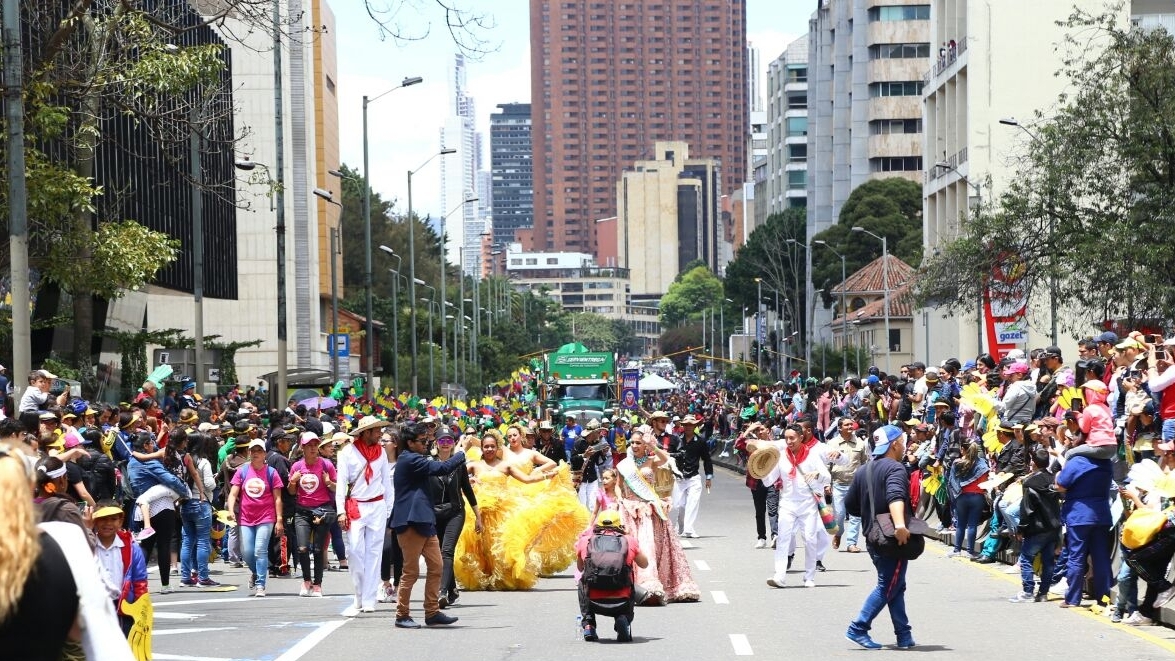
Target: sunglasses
x,y
446,443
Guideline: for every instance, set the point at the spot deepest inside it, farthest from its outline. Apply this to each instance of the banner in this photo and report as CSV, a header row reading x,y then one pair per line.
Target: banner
x,y
1005,303
630,389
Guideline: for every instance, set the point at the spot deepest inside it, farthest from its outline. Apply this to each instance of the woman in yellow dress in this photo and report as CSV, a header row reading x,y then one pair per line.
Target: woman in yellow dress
x,y
530,521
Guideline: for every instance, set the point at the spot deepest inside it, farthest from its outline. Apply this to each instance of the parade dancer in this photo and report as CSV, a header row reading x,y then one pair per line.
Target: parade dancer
x,y
363,499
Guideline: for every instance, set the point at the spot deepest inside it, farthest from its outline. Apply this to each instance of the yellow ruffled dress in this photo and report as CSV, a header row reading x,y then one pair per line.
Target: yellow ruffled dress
x,y
528,530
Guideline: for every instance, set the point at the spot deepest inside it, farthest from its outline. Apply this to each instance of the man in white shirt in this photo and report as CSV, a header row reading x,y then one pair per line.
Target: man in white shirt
x,y
365,478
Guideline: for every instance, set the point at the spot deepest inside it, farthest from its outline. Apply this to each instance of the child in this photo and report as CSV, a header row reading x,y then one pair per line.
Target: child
x,y
152,499
606,494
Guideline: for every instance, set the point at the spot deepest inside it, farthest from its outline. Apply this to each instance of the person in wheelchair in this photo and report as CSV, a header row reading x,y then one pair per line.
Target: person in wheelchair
x,y
606,587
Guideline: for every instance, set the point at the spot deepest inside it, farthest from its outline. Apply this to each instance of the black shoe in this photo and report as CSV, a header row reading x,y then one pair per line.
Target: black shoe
x,y
437,619
1041,597
820,566
453,596
984,560
444,601
406,623
623,629
789,559
589,633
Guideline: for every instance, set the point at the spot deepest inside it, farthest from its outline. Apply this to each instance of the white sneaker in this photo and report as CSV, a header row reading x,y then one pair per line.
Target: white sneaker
x,y
316,591
351,611
809,584
774,583
260,592
1164,597
1059,587
305,591
367,609
387,595
761,544
1022,598
1137,619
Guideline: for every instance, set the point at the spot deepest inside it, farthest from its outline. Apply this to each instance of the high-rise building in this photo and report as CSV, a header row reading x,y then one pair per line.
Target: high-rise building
x,y
668,217
608,80
787,131
865,76
462,222
512,170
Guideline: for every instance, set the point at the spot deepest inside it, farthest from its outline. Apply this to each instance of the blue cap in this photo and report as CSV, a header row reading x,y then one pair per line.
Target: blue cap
x,y
190,385
873,380
884,437
969,365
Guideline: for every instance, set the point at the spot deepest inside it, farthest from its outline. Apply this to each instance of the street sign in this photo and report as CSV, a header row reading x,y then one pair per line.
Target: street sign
x,y
340,343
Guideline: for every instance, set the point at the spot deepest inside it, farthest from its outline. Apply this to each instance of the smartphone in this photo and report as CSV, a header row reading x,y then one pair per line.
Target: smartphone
x,y
1077,406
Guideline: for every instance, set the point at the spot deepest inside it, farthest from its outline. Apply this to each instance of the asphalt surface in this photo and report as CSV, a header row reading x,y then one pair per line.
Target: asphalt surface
x,y
956,608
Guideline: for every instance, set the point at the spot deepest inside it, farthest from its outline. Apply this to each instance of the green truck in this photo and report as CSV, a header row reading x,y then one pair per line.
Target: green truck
x,y
578,381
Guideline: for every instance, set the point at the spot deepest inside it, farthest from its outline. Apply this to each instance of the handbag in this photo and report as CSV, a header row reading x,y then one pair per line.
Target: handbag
x,y
827,513
881,534
1142,527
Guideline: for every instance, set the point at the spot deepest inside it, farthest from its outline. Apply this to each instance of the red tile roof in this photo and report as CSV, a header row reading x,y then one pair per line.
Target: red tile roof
x,y
871,278
901,306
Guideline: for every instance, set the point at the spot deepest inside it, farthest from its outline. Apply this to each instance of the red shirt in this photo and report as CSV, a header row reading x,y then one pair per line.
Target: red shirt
x,y
581,550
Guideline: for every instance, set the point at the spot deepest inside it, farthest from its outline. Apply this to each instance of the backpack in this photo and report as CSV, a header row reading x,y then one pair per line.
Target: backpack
x,y
98,474
606,566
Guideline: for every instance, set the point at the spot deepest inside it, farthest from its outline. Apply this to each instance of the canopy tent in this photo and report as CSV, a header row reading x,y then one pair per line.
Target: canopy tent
x,y
654,382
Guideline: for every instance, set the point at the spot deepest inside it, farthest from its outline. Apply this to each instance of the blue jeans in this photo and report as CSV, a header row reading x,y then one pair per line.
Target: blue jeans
x,y
1092,542
255,549
968,509
1046,545
1127,587
850,526
890,591
196,545
1168,429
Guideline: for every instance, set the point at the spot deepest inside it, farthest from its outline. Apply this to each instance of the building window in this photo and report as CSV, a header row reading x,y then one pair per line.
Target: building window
x,y
898,51
797,179
900,13
552,260
896,164
895,339
892,126
896,88
797,126
797,153
532,261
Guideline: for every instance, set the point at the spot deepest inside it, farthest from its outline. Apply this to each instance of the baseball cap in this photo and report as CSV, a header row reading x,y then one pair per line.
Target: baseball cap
x,y
608,519
308,437
1108,337
1128,343
45,374
885,437
873,380
256,443
1053,351
1016,368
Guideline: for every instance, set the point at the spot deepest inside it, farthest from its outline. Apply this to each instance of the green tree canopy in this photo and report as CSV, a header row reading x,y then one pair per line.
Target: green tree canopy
x,y
775,253
691,292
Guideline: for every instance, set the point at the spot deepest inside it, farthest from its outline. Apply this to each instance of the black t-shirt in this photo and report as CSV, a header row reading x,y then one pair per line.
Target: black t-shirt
x,y
76,476
48,606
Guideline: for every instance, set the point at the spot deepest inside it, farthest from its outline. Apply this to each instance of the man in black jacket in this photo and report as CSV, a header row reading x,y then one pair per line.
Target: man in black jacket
x,y
687,491
1040,527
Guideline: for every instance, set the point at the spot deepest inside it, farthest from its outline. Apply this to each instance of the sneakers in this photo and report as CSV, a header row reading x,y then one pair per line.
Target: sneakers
x,y
820,566
260,591
774,583
1164,597
1022,598
253,581
144,534
809,584
863,640
906,642
188,584
835,542
589,633
406,623
983,560
760,543
453,596
166,589
352,611
207,583
443,601
387,594
305,590
1042,597
1137,619
1060,587
623,629
1116,616
959,554
316,591
436,619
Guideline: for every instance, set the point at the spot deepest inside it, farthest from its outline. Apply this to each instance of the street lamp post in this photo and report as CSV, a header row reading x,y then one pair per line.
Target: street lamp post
x,y
334,287
444,295
369,339
412,263
979,311
885,291
844,310
810,298
758,324
395,316
431,374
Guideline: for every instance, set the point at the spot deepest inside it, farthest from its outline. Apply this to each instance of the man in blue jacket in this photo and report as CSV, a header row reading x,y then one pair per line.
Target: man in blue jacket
x,y
415,523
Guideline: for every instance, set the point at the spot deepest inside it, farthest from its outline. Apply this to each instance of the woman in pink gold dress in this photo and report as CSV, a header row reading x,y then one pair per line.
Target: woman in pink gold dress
x,y
667,577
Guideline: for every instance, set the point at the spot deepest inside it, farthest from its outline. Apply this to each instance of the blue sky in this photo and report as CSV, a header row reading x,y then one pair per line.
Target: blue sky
x,y
404,127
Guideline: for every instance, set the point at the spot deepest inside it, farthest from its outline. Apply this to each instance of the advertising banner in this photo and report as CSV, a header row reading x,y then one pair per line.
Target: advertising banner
x,y
630,389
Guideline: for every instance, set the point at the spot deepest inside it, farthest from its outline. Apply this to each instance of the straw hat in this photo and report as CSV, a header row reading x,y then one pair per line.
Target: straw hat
x,y
369,422
762,462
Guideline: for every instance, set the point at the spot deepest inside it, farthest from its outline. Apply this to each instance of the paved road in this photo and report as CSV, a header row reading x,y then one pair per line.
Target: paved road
x,y
956,607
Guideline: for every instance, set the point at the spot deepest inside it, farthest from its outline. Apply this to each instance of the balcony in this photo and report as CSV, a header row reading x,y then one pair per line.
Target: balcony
x,y
956,160
945,62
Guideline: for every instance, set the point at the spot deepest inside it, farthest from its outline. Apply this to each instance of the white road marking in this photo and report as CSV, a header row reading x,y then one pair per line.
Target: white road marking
x,y
210,600
719,597
702,565
306,644
180,632
177,616
742,646
686,544
182,657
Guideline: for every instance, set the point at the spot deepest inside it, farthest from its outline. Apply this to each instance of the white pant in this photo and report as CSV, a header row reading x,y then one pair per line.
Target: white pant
x,y
366,539
805,521
687,497
587,494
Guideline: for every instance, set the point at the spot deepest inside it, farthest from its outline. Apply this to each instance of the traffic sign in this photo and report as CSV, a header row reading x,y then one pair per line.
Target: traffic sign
x,y
340,342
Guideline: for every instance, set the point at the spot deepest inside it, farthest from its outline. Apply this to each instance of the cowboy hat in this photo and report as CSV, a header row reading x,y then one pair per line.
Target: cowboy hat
x,y
689,420
658,415
762,462
369,422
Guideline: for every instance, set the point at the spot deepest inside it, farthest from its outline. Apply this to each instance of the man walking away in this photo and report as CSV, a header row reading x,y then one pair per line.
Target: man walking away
x,y
890,485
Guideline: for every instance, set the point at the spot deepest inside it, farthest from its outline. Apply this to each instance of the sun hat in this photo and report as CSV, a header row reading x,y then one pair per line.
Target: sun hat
x,y
762,462
689,420
109,510
188,417
369,422
658,415
885,437
608,519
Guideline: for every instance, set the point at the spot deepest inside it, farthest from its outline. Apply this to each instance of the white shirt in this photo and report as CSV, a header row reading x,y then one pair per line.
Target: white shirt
x,y
795,493
33,399
110,558
351,467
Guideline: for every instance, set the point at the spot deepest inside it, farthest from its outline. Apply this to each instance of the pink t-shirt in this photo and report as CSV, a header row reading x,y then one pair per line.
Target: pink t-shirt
x,y
312,491
257,504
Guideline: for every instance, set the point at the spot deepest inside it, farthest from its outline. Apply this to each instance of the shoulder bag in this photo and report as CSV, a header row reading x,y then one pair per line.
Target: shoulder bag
x,y
881,534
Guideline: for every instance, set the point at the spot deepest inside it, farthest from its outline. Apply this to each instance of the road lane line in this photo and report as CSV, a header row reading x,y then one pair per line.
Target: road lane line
x,y
702,565
306,644
210,600
184,657
178,616
719,597
686,544
742,646
180,632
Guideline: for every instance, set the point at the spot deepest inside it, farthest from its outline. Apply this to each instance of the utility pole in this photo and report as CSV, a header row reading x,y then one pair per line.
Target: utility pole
x,y
279,397
18,229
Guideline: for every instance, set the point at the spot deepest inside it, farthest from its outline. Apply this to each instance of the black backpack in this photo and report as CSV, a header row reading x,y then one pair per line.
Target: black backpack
x,y
606,566
99,475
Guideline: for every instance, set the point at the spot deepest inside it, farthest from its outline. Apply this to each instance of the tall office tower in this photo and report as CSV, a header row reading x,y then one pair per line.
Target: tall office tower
x,y
787,131
608,80
459,172
866,64
512,167
754,82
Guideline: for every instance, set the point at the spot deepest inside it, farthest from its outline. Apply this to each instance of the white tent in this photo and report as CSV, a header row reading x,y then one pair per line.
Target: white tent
x,y
654,383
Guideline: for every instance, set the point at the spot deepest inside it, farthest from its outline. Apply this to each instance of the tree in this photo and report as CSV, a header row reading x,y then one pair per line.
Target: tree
x,y
775,253
1088,211
690,293
674,341
887,207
